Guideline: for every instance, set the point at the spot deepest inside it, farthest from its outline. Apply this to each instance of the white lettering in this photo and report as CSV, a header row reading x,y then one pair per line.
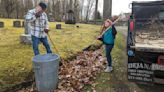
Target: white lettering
x,y
157,67
139,65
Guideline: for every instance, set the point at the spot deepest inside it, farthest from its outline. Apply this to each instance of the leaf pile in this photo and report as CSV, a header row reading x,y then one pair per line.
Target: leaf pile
x,y
81,71
73,75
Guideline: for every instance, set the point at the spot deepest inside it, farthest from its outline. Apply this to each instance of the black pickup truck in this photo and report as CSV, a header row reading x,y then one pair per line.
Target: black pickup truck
x,y
145,42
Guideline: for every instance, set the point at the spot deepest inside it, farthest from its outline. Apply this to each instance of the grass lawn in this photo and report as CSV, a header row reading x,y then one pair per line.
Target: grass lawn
x,y
16,64
15,58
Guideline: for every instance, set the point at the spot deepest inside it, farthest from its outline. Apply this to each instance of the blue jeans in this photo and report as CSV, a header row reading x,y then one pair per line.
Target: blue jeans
x,y
108,49
35,43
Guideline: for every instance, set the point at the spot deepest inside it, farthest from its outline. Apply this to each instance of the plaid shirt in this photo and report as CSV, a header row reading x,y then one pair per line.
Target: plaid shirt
x,y
37,25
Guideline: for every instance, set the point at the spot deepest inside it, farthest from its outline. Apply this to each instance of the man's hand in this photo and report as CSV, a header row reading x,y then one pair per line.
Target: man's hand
x,y
38,11
46,30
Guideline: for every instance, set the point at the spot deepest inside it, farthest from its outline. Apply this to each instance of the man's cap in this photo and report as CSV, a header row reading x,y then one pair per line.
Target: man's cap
x,y
43,5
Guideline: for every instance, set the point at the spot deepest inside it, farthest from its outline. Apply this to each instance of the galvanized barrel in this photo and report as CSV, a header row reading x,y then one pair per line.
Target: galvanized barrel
x,y
46,72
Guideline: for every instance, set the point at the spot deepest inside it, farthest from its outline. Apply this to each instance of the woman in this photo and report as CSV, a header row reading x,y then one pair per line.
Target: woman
x,y
108,39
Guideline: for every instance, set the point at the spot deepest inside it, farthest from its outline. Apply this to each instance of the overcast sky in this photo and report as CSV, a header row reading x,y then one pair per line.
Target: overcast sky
x,y
119,6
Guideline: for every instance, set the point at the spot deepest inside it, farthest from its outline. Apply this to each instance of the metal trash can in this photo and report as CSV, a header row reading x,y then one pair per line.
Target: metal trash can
x,y
46,72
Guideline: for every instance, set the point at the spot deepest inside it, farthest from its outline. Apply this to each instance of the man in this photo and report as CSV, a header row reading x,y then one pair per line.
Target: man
x,y
38,23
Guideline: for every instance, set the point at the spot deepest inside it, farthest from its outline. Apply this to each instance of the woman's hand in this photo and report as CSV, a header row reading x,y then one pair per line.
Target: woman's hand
x,y
99,37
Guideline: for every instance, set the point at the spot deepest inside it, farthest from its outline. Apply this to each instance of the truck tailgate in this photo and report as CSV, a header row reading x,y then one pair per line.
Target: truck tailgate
x,y
149,47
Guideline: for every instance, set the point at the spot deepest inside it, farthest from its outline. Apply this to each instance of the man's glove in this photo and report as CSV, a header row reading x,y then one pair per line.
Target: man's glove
x,y
37,15
46,30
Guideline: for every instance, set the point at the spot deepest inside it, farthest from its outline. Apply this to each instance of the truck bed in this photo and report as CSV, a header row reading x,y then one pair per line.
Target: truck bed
x,y
150,41
149,45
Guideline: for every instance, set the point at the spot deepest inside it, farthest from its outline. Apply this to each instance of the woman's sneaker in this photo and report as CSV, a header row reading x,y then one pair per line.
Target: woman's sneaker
x,y
109,69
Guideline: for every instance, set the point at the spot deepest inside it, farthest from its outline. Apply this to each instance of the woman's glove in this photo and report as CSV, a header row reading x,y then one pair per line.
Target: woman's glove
x,y
99,38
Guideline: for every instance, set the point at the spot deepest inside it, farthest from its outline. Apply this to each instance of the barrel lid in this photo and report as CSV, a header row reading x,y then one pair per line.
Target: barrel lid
x,y
45,58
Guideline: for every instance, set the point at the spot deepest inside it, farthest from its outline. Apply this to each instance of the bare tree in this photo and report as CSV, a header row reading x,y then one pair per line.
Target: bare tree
x,y
64,8
1,9
28,5
22,8
71,4
53,7
49,8
81,8
17,8
76,9
89,7
9,6
57,8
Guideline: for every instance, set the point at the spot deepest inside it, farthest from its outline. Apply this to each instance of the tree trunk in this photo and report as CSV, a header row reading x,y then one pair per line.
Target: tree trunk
x,y
76,9
82,7
8,15
17,10
70,4
96,6
107,11
53,7
87,12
